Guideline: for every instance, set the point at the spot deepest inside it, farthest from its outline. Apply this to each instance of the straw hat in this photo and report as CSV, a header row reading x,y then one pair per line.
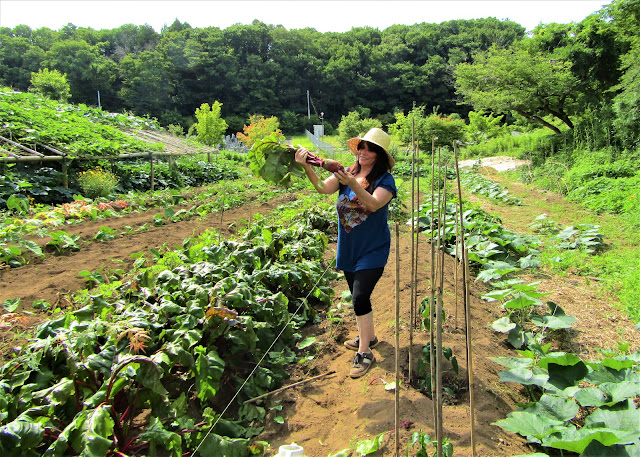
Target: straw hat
x,y
375,136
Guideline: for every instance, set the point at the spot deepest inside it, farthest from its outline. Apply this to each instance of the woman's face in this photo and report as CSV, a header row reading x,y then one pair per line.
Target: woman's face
x,y
366,156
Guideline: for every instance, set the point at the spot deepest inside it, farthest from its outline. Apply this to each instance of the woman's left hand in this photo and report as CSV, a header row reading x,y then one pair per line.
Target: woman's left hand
x,y
345,178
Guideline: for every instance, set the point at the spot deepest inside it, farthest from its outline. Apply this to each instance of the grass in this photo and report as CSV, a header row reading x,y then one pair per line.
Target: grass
x,y
510,145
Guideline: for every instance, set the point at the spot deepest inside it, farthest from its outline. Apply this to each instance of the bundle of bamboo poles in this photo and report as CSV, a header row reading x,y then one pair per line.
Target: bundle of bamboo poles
x,y
437,254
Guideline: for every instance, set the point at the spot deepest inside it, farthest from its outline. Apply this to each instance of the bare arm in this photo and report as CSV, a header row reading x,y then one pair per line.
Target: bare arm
x,y
371,202
328,186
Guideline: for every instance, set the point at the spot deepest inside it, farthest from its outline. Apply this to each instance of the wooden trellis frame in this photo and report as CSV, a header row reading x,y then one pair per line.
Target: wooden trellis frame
x,y
23,154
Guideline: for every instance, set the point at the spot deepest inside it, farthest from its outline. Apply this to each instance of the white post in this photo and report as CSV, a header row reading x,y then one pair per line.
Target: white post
x,y
99,106
308,106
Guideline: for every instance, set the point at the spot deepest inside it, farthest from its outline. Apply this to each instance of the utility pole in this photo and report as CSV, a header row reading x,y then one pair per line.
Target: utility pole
x,y
99,106
308,106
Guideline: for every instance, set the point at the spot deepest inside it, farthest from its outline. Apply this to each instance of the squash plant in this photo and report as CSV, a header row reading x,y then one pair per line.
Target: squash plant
x,y
148,368
589,408
476,183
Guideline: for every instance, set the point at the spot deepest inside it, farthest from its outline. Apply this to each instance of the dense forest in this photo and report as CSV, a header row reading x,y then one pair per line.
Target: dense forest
x,y
558,75
257,68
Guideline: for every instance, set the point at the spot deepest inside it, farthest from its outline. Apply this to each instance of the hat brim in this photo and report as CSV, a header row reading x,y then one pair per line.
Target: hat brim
x,y
353,143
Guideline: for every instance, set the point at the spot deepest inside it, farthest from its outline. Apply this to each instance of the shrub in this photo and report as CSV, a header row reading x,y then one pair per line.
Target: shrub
x,y
210,126
259,127
352,125
446,130
52,84
97,182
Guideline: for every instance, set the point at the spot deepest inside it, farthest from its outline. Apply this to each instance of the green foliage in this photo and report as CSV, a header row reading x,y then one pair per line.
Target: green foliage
x,y
530,83
196,326
259,128
253,68
423,366
353,125
421,442
523,324
585,237
608,195
290,123
273,161
97,183
484,127
51,84
512,144
366,447
445,130
478,184
493,249
185,172
63,242
43,185
584,407
209,125
76,130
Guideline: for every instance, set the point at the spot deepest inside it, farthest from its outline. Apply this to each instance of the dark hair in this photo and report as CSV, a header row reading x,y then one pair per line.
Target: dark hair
x,y
379,168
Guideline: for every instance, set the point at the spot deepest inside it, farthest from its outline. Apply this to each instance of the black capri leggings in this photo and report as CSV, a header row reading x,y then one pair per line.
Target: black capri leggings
x,y
361,284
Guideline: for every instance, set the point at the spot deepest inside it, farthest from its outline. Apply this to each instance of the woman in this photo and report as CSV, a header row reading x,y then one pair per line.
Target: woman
x,y
364,239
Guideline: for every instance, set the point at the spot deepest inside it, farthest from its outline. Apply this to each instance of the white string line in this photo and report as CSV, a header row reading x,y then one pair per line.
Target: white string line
x,y
284,327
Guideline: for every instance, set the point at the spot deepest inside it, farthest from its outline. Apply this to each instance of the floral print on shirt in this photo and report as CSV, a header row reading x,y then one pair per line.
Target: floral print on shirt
x,y
350,212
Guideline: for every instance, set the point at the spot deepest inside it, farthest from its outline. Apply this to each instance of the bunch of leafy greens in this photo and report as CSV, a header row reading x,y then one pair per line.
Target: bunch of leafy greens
x,y
274,162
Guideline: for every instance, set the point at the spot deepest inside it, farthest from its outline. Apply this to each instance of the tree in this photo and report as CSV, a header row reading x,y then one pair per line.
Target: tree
x,y
424,128
530,84
52,84
18,59
87,71
144,84
626,14
353,125
481,128
210,126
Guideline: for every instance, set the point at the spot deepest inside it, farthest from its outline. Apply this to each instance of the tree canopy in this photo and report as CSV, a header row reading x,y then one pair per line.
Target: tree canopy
x,y
254,69
528,83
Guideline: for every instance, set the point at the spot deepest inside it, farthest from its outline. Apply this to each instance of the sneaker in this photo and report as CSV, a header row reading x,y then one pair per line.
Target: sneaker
x,y
354,344
361,364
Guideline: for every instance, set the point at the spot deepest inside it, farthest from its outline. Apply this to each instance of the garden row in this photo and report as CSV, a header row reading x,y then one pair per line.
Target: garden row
x,y
586,407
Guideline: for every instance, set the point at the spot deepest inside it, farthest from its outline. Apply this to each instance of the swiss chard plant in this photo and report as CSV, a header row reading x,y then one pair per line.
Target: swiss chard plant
x,y
147,368
274,161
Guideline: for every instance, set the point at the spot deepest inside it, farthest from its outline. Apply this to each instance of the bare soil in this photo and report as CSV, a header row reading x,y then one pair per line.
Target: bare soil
x,y
334,412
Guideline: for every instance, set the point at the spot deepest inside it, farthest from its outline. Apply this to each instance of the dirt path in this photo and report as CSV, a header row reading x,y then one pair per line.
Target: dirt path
x,y
335,412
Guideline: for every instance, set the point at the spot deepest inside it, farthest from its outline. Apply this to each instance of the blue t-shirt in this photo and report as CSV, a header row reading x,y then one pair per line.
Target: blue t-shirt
x,y
364,238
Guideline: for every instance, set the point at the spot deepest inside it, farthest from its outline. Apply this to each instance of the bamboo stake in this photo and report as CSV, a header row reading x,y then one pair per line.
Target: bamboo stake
x,y
466,306
251,400
151,172
397,389
442,205
455,276
412,302
432,294
415,271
